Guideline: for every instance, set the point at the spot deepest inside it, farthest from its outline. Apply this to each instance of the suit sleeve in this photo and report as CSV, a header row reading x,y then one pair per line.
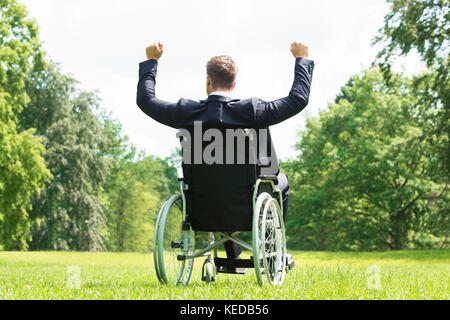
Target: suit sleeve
x,y
158,109
276,111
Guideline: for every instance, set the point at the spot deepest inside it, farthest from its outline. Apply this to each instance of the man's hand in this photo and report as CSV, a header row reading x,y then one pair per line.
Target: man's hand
x,y
299,50
154,51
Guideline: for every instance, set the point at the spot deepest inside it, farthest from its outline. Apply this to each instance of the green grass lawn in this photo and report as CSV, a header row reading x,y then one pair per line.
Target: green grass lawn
x,y
317,275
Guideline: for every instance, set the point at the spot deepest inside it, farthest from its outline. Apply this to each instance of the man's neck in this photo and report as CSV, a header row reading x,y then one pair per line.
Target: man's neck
x,y
221,93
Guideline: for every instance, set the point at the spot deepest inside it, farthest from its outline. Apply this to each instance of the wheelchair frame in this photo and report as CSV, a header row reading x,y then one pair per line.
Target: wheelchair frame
x,y
269,255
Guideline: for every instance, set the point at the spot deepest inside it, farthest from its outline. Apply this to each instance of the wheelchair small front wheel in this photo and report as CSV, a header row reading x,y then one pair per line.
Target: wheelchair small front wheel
x,y
171,241
208,271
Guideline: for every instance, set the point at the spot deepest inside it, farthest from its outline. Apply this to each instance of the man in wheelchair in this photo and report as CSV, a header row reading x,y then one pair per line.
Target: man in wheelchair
x,y
231,179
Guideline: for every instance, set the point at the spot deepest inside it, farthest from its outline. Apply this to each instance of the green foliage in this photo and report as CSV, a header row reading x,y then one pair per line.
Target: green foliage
x,y
22,168
135,191
103,195
366,177
416,24
69,213
422,26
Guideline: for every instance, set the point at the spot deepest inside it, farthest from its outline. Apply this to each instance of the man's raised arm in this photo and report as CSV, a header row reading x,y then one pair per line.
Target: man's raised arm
x,y
160,110
273,112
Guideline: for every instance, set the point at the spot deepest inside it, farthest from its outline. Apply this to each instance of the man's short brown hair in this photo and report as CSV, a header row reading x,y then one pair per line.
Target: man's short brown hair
x,y
222,70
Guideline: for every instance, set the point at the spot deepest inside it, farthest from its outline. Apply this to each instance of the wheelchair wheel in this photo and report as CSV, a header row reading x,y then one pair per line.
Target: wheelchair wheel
x,y
170,241
155,252
269,241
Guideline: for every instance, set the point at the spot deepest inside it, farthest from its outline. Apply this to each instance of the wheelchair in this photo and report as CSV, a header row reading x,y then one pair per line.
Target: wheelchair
x,y
234,202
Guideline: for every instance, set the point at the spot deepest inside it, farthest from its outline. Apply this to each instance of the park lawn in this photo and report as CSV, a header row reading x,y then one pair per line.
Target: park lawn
x,y
317,275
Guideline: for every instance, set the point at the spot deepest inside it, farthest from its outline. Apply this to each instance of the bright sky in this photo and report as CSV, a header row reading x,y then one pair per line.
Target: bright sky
x,y
101,42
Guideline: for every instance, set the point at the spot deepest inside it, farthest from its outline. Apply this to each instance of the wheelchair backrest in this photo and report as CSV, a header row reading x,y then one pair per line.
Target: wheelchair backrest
x,y
220,167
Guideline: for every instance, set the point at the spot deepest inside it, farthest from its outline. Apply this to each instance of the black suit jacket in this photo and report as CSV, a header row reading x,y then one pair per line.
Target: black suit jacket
x,y
248,113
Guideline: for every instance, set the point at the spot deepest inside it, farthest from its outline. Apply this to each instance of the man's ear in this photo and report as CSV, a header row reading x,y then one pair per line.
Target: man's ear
x,y
234,85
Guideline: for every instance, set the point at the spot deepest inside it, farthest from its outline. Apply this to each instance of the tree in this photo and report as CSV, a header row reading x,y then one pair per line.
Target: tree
x,y
22,168
135,192
69,213
422,26
365,178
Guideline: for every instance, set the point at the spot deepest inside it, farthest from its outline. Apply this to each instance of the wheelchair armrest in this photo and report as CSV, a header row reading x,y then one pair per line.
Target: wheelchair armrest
x,y
271,177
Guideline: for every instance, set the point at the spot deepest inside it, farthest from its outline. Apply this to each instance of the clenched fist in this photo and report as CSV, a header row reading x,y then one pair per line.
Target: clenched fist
x,y
299,50
154,51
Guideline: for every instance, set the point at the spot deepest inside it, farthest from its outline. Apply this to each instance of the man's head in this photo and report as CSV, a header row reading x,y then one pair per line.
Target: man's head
x,y
221,72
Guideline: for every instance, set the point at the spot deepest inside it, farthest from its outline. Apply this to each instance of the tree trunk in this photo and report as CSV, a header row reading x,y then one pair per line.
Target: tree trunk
x,y
119,230
322,237
397,232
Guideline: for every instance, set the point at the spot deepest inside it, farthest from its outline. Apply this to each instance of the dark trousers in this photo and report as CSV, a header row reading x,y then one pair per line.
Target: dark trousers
x,y
232,249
